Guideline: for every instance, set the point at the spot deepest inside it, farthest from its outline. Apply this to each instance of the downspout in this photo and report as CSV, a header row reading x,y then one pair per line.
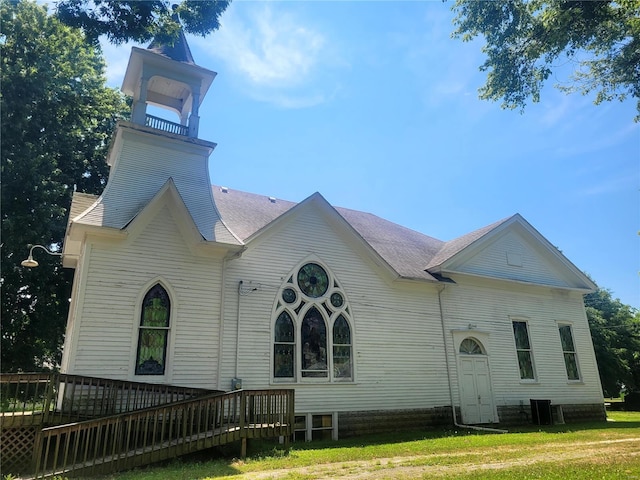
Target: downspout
x,y
221,330
446,359
238,332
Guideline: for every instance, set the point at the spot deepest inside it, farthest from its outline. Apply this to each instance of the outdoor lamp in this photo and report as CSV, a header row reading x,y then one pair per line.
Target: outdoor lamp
x,y
30,262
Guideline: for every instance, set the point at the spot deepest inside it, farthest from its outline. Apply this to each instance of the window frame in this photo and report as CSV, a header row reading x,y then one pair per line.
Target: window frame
x,y
326,308
519,350
573,352
140,328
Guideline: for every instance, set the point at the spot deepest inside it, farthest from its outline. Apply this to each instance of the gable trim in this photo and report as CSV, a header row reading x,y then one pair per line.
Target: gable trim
x,y
566,267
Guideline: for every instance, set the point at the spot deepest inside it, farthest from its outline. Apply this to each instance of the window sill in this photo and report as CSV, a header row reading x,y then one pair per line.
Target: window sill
x,y
529,382
312,382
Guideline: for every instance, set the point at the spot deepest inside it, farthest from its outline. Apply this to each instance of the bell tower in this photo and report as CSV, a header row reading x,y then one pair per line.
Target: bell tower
x,y
150,154
167,77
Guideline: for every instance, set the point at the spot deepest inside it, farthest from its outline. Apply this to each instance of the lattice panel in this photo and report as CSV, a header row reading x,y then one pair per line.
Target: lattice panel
x,y
16,450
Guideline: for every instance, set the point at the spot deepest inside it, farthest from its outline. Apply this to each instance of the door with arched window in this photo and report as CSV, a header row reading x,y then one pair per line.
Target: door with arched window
x,y
476,398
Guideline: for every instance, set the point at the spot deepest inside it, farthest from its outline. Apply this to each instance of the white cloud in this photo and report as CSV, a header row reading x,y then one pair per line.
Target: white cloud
x,y
268,48
116,58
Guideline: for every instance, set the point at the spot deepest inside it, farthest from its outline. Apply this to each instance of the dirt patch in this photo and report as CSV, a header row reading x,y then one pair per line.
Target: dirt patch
x,y
449,464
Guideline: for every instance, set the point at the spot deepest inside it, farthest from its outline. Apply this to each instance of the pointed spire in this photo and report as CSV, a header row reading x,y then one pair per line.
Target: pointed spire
x,y
179,51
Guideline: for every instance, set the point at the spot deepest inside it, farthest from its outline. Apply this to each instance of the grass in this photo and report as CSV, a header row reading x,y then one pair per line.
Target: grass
x,y
604,451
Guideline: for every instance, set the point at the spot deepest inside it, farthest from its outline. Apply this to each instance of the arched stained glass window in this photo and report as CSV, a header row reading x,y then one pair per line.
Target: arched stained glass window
x,y
469,346
313,337
312,330
283,347
341,348
153,334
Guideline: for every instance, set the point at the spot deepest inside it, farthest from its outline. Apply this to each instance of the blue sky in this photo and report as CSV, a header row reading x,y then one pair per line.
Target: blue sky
x,y
375,106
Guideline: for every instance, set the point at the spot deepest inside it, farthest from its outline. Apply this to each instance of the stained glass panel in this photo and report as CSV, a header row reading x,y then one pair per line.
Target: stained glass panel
x,y
289,295
314,344
336,300
283,348
283,360
341,332
313,280
341,348
155,308
151,352
284,328
153,333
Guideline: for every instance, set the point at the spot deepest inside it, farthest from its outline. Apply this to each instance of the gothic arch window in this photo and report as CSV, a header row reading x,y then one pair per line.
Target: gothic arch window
x,y
312,333
153,333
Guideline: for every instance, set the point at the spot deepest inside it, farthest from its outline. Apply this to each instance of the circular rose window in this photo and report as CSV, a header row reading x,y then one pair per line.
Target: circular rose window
x,y
313,280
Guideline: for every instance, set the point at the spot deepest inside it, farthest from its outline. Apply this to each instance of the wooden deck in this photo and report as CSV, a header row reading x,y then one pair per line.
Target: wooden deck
x,y
97,444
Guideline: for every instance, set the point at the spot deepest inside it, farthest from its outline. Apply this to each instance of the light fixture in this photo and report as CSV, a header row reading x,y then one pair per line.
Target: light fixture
x,y
31,262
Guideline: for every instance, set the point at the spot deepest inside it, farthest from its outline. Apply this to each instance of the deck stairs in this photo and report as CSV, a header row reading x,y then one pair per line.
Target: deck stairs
x,y
70,425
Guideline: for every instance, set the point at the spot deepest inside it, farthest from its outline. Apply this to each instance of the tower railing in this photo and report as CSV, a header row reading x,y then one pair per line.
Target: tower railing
x,y
166,125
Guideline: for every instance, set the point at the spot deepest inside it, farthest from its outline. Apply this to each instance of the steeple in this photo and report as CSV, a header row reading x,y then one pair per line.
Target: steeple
x,y
179,51
166,76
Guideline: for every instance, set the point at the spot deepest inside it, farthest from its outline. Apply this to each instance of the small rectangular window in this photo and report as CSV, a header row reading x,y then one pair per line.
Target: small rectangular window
x,y
523,349
569,351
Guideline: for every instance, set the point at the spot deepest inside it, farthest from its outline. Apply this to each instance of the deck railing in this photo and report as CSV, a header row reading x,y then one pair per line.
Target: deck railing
x,y
166,125
120,424
49,399
137,438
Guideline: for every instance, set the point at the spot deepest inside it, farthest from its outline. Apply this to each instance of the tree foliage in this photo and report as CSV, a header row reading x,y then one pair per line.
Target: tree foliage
x,y
56,120
526,40
141,21
615,329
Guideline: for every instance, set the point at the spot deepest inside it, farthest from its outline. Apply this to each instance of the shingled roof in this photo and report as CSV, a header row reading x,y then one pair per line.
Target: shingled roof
x,y
178,51
411,254
408,252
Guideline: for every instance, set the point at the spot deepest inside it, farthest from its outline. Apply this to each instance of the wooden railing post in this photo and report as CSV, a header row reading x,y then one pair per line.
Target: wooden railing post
x,y
243,410
48,397
36,458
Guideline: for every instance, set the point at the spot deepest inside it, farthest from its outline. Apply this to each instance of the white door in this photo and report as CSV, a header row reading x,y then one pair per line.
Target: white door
x,y
475,388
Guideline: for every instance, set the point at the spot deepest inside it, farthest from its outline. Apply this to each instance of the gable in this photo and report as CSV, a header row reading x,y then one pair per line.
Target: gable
x,y
400,249
514,251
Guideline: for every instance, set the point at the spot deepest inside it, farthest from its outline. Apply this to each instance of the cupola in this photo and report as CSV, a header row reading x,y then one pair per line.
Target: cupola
x,y
167,77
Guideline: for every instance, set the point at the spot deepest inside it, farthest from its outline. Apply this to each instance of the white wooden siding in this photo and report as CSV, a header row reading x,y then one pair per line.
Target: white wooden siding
x,y
159,159
491,308
397,337
107,321
492,261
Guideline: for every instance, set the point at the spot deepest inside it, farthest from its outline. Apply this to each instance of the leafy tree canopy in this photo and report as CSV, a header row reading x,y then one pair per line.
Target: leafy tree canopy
x,y
615,329
141,21
56,120
526,40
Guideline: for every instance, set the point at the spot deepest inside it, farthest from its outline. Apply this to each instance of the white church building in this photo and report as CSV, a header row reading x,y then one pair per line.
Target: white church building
x,y
374,325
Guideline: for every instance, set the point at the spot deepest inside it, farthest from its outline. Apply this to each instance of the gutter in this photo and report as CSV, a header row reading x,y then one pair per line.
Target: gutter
x,y
446,358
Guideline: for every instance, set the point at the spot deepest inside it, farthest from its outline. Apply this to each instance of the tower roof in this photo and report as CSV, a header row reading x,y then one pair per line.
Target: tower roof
x,y
178,51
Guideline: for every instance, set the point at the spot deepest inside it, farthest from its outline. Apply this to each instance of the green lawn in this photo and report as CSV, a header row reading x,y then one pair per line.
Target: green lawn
x,y
575,451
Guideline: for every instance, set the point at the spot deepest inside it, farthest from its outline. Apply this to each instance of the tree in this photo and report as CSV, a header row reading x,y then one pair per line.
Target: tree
x,y
526,40
56,120
140,21
615,329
